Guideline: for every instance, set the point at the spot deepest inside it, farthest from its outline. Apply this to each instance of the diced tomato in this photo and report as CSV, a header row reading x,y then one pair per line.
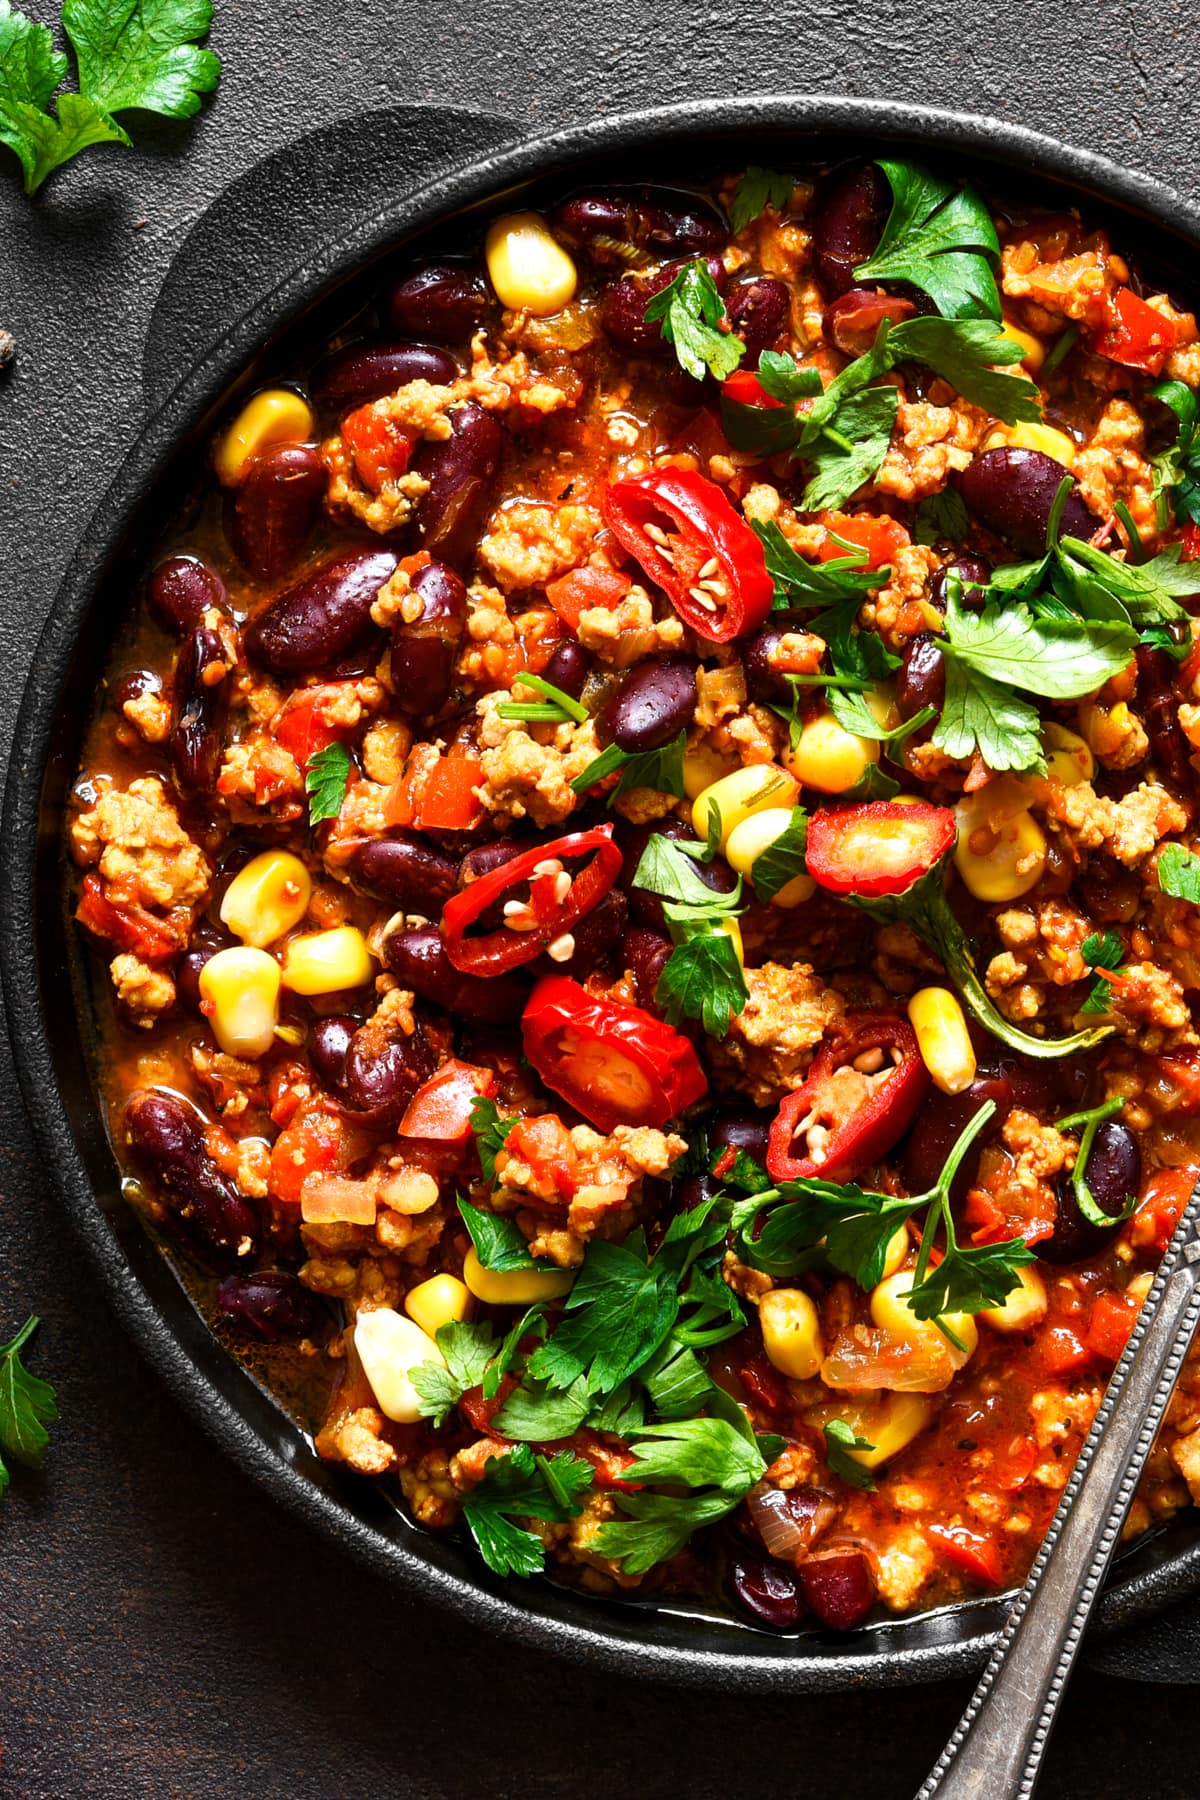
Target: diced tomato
x,y
381,449
1014,1464
288,1088
480,1412
974,1553
581,589
1135,335
303,727
442,1108
438,795
987,1219
763,1383
880,536
543,1143
1112,1320
1063,1351
1191,546
745,387
310,1145
608,1461
1183,1071
1167,1193
127,927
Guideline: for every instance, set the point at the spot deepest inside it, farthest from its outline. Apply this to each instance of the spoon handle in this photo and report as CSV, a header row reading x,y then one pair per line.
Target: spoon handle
x,y
996,1749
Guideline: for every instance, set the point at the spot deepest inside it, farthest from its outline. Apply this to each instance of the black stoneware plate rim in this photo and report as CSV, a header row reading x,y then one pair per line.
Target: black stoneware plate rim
x,y
38,952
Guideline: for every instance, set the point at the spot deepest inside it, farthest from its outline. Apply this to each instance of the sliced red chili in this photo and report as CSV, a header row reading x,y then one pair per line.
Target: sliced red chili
x,y
744,387
877,848
548,913
1134,334
691,542
613,1063
873,1125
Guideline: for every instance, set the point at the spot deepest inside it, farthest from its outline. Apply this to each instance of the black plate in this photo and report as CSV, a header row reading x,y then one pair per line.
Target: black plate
x,y
40,953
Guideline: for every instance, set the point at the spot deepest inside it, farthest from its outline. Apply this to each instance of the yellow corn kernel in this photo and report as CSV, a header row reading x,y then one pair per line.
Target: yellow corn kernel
x,y
1024,1308
267,898
325,962
733,931
1029,436
389,1347
529,269
896,1254
514,1287
442,1300
943,1038
1001,849
239,991
1069,758
276,416
892,1312
1035,350
829,758
747,842
702,767
749,790
889,1423
791,1333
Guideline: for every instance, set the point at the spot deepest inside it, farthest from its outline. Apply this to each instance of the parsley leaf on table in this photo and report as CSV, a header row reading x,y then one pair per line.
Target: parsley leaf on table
x,y
938,237
840,1439
1179,873
326,777
1101,952
522,1485
27,1406
491,1132
757,190
691,310
661,769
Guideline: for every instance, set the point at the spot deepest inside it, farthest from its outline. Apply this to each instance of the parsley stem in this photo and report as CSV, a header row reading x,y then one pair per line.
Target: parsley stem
x,y
836,437
853,684
535,711
1062,346
1091,1122
574,709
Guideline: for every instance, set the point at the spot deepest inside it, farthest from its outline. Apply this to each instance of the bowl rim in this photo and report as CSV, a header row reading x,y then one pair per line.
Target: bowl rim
x,y
931,1647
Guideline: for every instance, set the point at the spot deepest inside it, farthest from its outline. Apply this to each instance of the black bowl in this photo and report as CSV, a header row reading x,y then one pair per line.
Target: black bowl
x,y
43,967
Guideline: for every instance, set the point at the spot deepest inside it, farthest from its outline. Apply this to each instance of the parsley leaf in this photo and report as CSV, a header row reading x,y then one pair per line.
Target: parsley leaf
x,y
1179,873
941,518
758,189
783,859
499,1242
802,583
691,310
1176,470
703,979
27,1406
852,713
1050,657
661,770
840,1440
326,778
851,452
981,714
491,1132
526,1486
711,1455
970,1280
554,708
538,1413
938,237
1148,592
619,1311
468,1349
1098,952
964,352
658,1527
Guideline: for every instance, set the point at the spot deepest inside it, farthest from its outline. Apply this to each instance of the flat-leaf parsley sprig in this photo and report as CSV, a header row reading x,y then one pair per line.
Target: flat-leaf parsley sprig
x,y
27,1406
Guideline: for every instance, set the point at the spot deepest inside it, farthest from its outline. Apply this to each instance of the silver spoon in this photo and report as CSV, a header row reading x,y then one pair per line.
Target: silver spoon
x,y
995,1752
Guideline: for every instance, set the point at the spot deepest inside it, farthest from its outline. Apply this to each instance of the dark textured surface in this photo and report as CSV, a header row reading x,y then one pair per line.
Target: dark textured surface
x,y
164,1629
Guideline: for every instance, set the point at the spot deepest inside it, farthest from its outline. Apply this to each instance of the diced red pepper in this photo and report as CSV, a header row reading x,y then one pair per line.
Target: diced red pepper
x,y
545,916
878,1123
579,590
1167,1193
1063,1351
1191,545
442,1108
677,523
744,387
763,1382
437,796
480,1412
303,727
1134,334
1113,1318
381,449
310,1145
613,1063
1013,1465
878,847
880,536
1182,1069
126,926
545,1144
609,1462
975,1553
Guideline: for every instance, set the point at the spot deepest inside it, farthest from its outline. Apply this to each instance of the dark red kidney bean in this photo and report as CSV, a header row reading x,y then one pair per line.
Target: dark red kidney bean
x,y
644,953
460,471
1158,705
651,707
166,1142
623,310
418,959
425,649
1113,1174
855,317
321,617
207,940
1038,1087
838,1587
181,590
328,1047
921,680
941,1122
198,710
568,668
767,1590
445,301
405,870
758,309
764,682
272,510
1011,491
611,225
271,1305
691,1190
741,1129
1111,894
486,857
847,224
973,575
134,685
596,937
645,907
380,1077
365,372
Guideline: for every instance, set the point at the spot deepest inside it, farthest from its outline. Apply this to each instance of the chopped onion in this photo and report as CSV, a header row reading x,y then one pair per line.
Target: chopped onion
x,y
790,1520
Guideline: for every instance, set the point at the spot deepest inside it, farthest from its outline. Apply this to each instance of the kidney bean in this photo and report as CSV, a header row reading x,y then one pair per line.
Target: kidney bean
x,y
1114,1172
941,1122
406,871
1011,491
328,1046
1158,704
596,936
381,1075
133,686
921,680
972,573
847,224
855,317
758,309
611,225
445,301
764,682
365,372
425,649
1038,1087
644,953
1111,894
838,1587
320,618
206,941
766,1589
198,710
568,668
651,707
645,907
418,959
690,1191
180,592
272,510
166,1142
623,310
460,471
272,1305
742,1128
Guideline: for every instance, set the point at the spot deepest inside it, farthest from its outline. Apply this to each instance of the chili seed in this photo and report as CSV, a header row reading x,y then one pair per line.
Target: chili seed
x,y
711,567
562,949
562,886
869,1062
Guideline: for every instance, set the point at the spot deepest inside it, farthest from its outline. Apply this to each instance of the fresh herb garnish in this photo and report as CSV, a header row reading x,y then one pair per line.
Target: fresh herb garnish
x,y
1178,873
799,582
1101,952
942,518
840,1439
499,1242
939,237
491,1132
523,1486
468,1349
758,189
555,707
715,1459
1176,470
326,777
691,311
130,53
27,1406
703,977
782,860
661,770
1087,1124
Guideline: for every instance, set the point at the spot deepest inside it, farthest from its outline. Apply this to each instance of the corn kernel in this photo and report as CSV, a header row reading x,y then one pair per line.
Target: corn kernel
x,y
1026,435
267,898
442,1300
747,791
702,767
239,991
1035,350
390,1347
276,416
747,842
1001,849
529,269
889,1423
1069,758
732,930
943,1038
1024,1308
325,962
829,758
892,1312
896,1254
791,1333
514,1287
